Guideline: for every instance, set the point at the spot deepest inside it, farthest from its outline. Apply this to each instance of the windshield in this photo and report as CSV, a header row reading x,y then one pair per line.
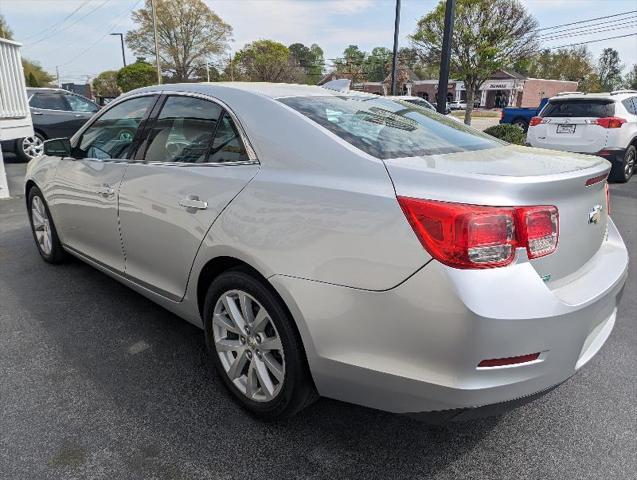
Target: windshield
x,y
579,108
387,128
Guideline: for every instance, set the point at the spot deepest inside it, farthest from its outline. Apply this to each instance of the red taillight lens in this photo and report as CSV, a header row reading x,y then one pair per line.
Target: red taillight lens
x,y
473,236
501,362
535,121
539,227
610,122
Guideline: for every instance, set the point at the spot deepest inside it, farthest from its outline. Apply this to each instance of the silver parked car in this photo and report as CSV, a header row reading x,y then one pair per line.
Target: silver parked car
x,y
344,245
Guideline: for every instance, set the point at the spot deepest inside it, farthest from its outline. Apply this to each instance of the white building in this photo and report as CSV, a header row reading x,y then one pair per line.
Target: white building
x,y
15,117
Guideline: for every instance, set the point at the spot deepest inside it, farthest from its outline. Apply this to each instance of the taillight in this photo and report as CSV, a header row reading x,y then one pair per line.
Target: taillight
x,y
473,236
535,121
610,122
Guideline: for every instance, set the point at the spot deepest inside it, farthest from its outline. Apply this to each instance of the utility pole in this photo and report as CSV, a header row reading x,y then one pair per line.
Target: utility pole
x,y
152,6
121,39
57,75
445,56
207,71
394,62
231,69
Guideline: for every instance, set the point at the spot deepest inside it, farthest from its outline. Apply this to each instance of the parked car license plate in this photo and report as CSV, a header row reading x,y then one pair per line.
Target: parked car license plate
x,y
566,129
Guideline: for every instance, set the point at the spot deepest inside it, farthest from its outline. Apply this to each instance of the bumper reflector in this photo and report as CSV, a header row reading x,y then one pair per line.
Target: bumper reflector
x,y
501,362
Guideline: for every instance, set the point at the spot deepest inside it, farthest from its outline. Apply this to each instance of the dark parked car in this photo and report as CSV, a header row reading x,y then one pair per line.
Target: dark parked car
x,y
55,113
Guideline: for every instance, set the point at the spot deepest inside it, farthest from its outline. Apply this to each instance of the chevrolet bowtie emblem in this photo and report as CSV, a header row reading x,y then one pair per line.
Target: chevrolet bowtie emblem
x,y
595,215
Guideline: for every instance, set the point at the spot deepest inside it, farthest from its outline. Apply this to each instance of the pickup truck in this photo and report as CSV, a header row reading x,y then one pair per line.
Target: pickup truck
x,y
521,116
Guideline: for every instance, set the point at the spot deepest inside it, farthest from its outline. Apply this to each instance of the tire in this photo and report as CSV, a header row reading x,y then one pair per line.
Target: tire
x,y
523,124
43,229
240,355
29,148
621,171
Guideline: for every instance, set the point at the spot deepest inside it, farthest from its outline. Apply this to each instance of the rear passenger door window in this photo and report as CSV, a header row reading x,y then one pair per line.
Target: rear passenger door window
x,y
49,101
227,146
183,131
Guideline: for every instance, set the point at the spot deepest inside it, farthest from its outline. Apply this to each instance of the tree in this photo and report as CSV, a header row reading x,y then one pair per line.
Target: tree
x,y
378,64
609,69
630,81
265,61
5,31
352,64
105,84
309,60
189,33
488,35
35,75
136,75
574,64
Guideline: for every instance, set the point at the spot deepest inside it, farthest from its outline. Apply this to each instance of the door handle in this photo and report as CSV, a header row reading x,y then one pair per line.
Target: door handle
x,y
105,191
193,202
37,113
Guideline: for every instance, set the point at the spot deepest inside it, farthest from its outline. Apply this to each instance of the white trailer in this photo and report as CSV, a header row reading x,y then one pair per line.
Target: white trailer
x,y
15,117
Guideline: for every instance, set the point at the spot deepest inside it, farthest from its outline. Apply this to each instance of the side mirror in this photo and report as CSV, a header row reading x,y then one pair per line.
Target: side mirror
x,y
58,147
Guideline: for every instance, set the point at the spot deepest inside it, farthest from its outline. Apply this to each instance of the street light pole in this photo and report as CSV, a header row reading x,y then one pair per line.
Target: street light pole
x,y
152,6
394,62
445,56
121,39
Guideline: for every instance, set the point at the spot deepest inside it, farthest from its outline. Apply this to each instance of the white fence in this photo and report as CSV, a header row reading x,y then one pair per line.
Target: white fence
x,y
15,117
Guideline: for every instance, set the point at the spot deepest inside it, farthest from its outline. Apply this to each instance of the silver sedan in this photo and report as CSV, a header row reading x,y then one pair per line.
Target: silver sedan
x,y
340,244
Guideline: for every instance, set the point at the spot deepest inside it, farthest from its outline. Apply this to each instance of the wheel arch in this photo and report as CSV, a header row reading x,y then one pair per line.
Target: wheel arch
x,y
218,265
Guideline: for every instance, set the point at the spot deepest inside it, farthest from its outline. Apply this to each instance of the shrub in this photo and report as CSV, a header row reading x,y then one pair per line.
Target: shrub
x,y
136,75
508,133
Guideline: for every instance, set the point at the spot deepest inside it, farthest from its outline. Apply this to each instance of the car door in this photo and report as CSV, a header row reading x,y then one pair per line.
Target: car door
x,y
52,114
192,162
84,198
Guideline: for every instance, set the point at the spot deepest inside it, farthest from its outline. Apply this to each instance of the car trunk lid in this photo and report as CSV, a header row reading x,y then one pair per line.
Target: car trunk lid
x,y
517,176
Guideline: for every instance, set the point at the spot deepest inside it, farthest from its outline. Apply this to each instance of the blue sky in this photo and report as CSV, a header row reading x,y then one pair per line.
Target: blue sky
x,y
85,48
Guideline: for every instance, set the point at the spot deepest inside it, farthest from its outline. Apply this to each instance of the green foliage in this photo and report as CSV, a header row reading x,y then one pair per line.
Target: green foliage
x,y
189,32
35,75
309,61
5,31
136,75
265,61
609,69
105,84
508,133
488,35
630,80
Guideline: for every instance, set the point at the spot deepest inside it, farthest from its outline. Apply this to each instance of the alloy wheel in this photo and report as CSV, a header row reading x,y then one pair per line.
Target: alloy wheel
x,y
33,146
41,225
248,345
629,164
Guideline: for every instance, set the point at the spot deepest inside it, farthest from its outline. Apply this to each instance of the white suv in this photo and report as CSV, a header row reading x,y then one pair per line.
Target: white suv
x,y
603,124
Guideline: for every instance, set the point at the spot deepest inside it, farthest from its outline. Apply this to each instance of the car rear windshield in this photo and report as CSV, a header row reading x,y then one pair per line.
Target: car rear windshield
x,y
579,108
387,128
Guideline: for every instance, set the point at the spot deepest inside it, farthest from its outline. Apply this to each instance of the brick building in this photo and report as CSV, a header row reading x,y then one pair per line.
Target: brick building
x,y
504,89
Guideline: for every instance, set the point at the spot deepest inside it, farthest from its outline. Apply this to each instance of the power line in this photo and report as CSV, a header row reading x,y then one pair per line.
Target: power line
x,y
586,21
40,32
584,27
593,31
62,29
594,41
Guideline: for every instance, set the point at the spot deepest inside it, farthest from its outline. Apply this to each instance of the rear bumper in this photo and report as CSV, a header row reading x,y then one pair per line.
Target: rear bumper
x,y
415,348
613,154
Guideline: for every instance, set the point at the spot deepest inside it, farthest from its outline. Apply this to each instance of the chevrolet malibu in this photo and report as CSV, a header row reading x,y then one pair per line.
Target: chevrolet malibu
x,y
341,244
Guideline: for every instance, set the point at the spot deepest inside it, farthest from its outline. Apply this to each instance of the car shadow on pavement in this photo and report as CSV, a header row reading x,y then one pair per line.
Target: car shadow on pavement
x,y
127,386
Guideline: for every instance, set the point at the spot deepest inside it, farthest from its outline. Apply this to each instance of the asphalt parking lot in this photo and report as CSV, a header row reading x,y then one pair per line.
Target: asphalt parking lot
x,y
98,382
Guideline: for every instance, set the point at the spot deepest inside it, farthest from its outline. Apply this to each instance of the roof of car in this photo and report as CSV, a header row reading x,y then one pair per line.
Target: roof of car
x,y
615,95
272,90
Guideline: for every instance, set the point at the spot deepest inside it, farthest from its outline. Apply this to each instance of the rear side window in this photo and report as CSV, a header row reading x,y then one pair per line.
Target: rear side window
x,y
183,131
49,101
579,108
227,146
631,105
386,128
